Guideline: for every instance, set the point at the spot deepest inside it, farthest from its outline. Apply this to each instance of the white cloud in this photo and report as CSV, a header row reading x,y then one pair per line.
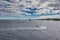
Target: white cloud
x,y
17,6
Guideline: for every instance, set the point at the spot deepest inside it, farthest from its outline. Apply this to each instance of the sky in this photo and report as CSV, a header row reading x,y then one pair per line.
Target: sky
x,y
28,7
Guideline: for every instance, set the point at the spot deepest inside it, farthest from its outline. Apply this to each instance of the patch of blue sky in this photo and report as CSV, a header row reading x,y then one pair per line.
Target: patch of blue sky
x,y
7,0
31,11
47,14
12,1
32,8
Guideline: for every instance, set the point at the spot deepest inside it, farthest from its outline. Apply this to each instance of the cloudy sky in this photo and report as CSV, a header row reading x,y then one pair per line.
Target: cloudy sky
x,y
15,7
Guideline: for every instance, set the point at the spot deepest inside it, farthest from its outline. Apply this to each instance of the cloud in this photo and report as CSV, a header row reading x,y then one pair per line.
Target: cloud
x,y
17,6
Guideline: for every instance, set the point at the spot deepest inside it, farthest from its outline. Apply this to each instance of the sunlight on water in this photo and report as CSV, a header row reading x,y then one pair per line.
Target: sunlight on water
x,y
26,28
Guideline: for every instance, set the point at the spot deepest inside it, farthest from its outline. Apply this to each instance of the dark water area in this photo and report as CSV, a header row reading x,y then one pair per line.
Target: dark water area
x,y
52,32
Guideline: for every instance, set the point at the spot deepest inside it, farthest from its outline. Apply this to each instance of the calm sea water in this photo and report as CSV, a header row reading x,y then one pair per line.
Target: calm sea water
x,y
51,33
